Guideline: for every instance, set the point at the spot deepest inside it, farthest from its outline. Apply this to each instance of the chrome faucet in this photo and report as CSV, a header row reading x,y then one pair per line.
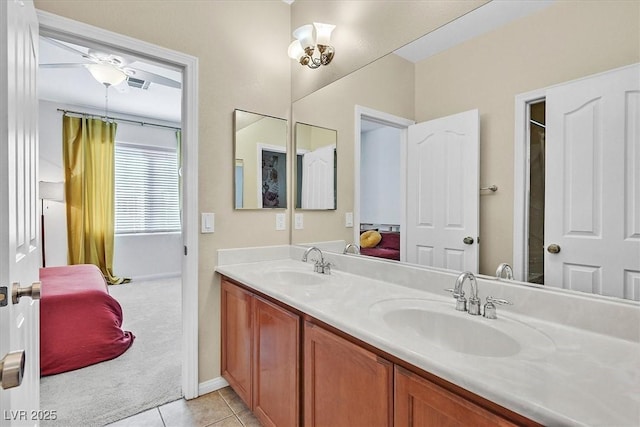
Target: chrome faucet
x,y
458,294
356,249
320,266
504,268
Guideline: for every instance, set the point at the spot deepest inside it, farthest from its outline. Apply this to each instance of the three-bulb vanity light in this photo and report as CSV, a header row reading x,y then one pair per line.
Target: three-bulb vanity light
x,y
303,48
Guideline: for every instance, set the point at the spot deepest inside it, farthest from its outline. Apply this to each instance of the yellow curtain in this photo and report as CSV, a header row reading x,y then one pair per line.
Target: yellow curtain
x,y
88,152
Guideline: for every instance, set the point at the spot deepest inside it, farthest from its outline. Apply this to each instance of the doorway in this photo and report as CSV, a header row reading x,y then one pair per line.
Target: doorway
x,y
379,134
70,30
536,153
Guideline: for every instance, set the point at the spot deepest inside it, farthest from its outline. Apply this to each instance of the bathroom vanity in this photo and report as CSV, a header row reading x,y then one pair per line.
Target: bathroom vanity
x,y
380,343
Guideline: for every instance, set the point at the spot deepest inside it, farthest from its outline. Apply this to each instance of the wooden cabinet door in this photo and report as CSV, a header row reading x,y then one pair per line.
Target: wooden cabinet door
x,y
236,312
421,403
344,384
276,362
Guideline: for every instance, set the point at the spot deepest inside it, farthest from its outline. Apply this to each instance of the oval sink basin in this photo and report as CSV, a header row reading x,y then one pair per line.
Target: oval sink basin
x,y
295,277
439,324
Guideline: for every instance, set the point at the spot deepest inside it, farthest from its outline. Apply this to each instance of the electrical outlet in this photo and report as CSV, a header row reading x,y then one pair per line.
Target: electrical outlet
x,y
299,221
280,222
348,219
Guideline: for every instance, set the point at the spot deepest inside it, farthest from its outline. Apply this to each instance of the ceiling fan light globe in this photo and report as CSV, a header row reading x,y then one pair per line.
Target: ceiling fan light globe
x,y
107,74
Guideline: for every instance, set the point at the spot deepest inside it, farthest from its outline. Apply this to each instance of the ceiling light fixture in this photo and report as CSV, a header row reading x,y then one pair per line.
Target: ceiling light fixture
x,y
302,49
107,74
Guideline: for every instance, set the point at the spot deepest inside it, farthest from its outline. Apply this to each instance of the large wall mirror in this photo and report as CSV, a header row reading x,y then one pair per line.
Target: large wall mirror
x,y
260,161
556,43
316,166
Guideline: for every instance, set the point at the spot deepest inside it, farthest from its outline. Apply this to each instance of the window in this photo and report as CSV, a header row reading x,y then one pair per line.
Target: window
x,y
146,183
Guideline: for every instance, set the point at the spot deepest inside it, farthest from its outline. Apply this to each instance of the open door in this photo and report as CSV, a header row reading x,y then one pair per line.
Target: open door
x,y
19,253
592,214
317,178
443,192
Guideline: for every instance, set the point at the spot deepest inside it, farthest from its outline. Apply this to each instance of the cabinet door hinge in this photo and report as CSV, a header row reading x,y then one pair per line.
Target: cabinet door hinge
x,y
185,251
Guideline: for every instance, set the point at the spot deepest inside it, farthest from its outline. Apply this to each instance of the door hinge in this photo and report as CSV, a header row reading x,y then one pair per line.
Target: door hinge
x,y
185,251
3,296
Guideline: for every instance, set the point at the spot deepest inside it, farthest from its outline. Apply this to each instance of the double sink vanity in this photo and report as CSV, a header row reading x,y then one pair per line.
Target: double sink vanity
x,y
373,342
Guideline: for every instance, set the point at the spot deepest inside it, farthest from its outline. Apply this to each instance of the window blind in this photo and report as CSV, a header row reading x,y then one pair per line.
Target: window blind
x,y
146,189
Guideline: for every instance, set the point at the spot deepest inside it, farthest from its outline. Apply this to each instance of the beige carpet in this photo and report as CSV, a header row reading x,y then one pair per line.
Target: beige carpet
x,y
148,374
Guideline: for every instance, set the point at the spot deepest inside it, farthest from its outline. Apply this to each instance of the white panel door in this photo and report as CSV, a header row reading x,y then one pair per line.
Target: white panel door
x,y
443,192
593,185
19,252
317,178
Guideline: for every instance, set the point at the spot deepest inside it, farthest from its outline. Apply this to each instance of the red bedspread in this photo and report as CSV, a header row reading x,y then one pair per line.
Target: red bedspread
x,y
80,323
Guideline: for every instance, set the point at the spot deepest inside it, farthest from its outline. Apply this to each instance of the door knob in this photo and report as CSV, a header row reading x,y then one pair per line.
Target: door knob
x,y
468,240
553,248
32,291
12,369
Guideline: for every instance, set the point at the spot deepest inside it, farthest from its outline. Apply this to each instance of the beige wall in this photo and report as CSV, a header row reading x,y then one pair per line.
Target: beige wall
x,y
563,42
367,30
235,43
333,107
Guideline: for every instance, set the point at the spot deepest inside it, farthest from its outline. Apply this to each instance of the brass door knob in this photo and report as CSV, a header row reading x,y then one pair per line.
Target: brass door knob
x,y
12,369
468,240
553,248
32,291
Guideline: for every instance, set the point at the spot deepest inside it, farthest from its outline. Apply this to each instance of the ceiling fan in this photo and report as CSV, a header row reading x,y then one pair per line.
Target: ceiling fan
x,y
110,69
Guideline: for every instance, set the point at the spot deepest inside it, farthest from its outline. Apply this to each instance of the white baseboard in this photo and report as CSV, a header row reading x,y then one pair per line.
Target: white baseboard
x,y
212,385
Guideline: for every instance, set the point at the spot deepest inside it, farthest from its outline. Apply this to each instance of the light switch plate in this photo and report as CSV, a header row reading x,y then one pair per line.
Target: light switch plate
x,y
299,225
280,222
348,219
207,222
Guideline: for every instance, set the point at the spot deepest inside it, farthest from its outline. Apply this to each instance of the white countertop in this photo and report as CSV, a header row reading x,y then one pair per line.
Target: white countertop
x,y
572,376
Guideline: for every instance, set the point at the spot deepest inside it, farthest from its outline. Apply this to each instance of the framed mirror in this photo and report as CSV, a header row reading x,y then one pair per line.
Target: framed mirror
x,y
260,151
316,167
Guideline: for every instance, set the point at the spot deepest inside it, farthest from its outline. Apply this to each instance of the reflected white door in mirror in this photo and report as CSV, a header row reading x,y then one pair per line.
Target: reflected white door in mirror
x,y
443,199
591,163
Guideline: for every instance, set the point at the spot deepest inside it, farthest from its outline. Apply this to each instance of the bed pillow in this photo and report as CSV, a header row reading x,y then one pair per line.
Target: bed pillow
x,y
369,239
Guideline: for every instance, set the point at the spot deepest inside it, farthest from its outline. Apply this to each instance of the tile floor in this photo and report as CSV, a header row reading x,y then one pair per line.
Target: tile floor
x,y
221,408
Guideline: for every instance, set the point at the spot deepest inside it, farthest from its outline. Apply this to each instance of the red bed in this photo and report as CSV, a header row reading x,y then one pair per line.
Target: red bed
x,y
80,323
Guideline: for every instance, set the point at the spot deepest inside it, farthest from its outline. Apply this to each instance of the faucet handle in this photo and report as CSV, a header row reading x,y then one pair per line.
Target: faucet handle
x,y
498,301
490,308
326,268
461,301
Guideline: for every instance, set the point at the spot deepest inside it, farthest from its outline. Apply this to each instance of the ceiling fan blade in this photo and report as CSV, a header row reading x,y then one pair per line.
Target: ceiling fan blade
x,y
61,45
65,65
154,78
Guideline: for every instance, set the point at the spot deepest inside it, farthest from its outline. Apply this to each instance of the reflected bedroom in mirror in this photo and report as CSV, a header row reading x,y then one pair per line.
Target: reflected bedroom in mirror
x,y
316,166
260,161
380,190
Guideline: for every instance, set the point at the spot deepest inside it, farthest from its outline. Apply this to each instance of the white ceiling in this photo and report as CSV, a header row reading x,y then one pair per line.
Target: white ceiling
x,y
75,86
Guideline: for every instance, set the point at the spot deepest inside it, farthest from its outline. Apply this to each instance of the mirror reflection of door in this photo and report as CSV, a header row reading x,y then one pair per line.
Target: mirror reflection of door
x,y
316,167
584,150
443,173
